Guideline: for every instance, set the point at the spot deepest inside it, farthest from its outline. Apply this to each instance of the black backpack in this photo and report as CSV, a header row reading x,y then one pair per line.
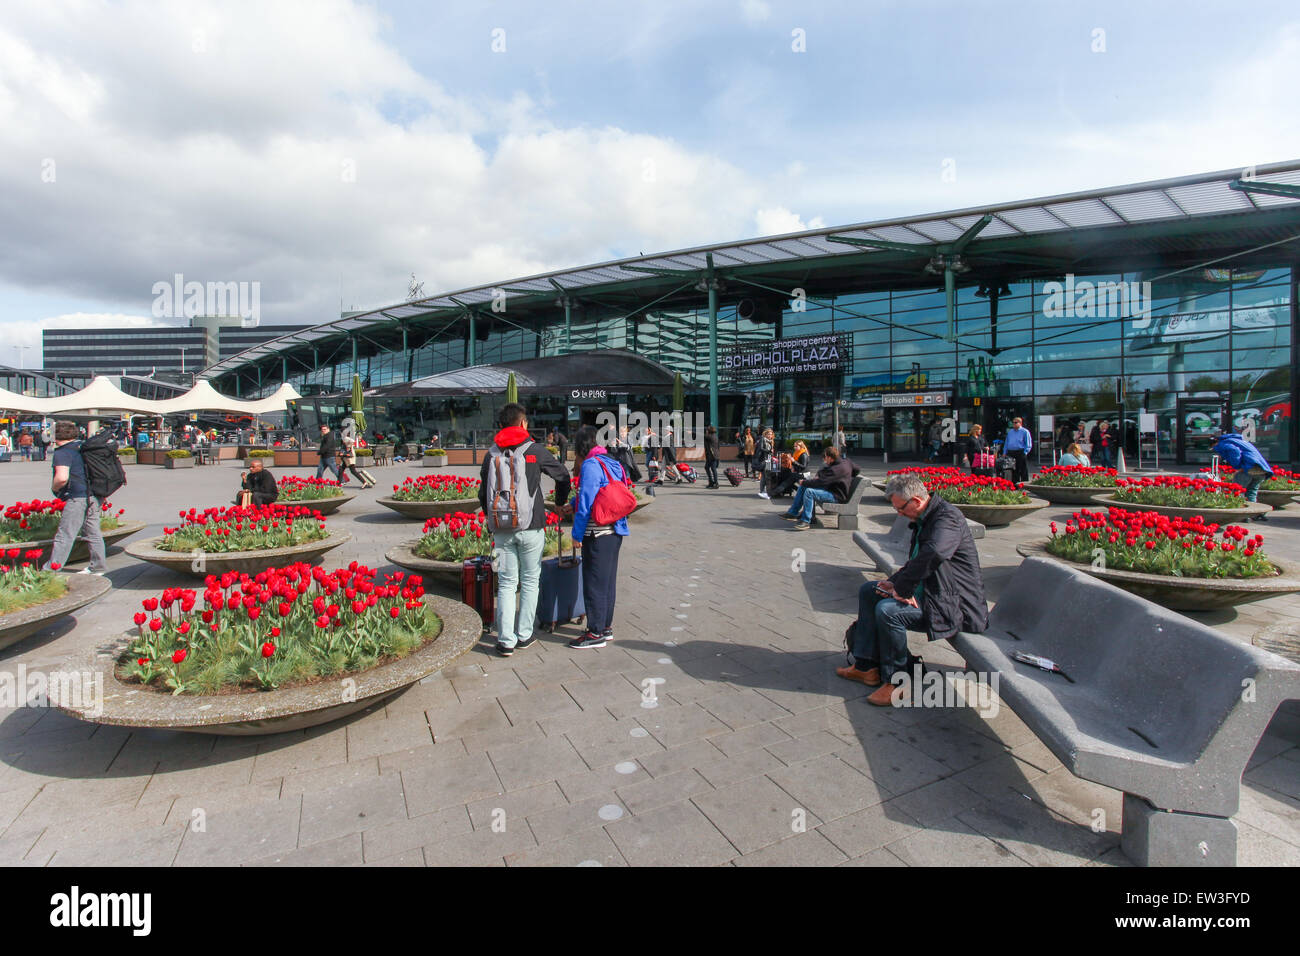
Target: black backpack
x,y
104,472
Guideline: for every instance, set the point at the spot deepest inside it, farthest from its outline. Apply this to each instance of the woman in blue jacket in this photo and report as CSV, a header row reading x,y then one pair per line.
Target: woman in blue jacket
x,y
594,469
1251,467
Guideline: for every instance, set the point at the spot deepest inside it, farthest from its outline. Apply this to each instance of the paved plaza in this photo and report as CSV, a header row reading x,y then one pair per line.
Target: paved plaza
x,y
752,753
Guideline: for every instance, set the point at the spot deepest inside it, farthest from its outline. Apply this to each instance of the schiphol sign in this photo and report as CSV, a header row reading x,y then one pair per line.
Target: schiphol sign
x,y
811,355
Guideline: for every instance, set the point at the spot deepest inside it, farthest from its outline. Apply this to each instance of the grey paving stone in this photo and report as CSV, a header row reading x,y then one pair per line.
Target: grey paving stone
x,y
955,749
1279,774
351,808
407,836
537,673
510,808
952,843
329,777
68,799
242,835
746,764
897,766
1258,848
1074,799
406,859
341,851
813,721
1272,812
300,756
609,743
530,705
676,835
462,720
479,847
487,686
583,786
609,659
16,845
448,783
649,795
755,813
793,751
186,807
595,692
677,725
528,764
749,738
743,709
153,847
938,801
995,778
870,828
588,848
583,720
104,825
881,857
387,736
503,737
802,849
1035,834
418,698
561,823
829,787
423,756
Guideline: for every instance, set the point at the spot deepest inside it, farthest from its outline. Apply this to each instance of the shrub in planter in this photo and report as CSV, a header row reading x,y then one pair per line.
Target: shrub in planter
x,y
1076,476
38,520
22,582
436,488
954,485
285,626
255,528
179,453
434,453
1179,491
294,488
1151,543
126,452
261,453
364,452
554,450
458,536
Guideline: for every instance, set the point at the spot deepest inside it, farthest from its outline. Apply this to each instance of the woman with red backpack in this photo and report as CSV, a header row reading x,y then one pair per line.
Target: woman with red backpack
x,y
600,512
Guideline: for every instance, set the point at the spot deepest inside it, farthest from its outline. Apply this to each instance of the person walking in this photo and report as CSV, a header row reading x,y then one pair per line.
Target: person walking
x,y
81,509
1103,443
601,544
712,452
1252,469
975,450
510,493
747,450
668,456
39,442
762,458
350,462
651,442
841,442
25,443
328,452
1018,444
562,443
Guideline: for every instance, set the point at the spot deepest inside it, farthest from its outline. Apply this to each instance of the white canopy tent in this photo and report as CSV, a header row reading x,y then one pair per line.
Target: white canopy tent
x,y
102,395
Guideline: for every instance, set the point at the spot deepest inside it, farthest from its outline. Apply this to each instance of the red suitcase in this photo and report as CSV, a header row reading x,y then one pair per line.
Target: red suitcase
x,y
734,475
478,588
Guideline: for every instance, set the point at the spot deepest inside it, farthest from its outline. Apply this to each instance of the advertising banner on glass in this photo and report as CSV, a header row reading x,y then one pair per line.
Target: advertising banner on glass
x,y
811,355
915,400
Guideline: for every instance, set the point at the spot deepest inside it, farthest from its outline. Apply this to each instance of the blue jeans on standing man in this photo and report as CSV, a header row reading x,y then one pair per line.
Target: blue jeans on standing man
x,y
332,465
805,499
518,557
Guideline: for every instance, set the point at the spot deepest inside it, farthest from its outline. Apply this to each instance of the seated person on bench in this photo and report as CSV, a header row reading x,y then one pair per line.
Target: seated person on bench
x,y
831,484
259,481
939,590
794,468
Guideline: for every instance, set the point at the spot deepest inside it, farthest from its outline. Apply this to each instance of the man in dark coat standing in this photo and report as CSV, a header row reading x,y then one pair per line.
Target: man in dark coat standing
x,y
939,590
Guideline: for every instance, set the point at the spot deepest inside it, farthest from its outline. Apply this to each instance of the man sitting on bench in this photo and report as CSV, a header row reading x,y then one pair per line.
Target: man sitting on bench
x,y
831,484
939,590
258,481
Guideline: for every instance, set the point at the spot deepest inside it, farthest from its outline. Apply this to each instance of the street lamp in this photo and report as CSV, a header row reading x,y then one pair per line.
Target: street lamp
x,y
22,363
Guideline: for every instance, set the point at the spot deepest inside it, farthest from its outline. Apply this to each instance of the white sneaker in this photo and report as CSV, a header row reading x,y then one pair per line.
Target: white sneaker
x,y
98,574
764,494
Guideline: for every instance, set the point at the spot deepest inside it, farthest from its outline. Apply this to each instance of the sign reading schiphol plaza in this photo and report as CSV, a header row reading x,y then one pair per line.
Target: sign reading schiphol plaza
x,y
913,399
811,355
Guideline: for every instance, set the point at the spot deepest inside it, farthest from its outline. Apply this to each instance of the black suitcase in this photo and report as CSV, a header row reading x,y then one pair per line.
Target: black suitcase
x,y
735,476
478,588
1006,468
559,592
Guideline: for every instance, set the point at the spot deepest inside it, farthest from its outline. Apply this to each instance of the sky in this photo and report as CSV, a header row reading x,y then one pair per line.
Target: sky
x,y
327,150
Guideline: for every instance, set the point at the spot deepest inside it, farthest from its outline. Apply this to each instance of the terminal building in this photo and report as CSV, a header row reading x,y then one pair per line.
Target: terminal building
x,y
1167,306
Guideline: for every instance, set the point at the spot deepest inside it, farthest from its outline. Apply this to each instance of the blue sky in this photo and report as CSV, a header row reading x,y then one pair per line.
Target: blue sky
x,y
216,139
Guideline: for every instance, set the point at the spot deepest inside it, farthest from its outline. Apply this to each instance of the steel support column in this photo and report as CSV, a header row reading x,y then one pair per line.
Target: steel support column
x,y
473,333
713,345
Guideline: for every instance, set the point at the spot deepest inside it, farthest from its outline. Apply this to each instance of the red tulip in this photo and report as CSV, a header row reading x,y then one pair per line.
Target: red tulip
x,y
268,649
155,625
179,655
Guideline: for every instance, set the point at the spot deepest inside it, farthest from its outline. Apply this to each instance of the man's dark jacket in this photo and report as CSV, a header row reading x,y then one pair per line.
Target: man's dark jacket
x,y
262,485
835,478
537,459
712,448
329,447
948,568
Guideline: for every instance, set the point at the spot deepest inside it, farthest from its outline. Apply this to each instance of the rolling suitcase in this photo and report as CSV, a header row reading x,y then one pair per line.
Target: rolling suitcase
x,y
1006,468
687,472
559,591
735,476
478,588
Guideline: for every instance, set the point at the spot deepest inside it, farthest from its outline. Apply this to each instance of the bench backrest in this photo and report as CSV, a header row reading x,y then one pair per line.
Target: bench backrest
x,y
856,487
1170,679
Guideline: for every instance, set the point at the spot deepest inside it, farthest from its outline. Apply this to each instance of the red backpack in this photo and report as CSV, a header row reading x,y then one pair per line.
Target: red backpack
x,y
614,501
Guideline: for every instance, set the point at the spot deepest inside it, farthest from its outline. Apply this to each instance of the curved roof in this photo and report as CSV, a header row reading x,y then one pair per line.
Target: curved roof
x,y
613,369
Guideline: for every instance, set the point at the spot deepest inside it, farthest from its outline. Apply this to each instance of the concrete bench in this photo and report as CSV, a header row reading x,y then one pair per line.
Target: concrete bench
x,y
890,551
848,511
1157,705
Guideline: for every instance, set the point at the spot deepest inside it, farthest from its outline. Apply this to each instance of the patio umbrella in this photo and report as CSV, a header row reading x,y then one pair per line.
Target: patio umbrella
x,y
512,390
358,403
678,392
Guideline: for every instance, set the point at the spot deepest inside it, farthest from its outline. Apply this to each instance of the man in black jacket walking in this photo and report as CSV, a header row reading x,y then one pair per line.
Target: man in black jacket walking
x,y
329,449
939,590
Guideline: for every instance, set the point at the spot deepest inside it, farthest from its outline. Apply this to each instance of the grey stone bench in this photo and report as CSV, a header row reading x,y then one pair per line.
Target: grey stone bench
x,y
1161,707
848,511
889,551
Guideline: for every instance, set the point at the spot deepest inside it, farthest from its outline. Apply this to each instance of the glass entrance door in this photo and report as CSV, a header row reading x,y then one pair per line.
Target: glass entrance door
x,y
1198,424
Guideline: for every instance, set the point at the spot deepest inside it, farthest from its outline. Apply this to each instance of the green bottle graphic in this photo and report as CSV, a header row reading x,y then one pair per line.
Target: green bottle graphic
x,y
982,378
992,378
970,377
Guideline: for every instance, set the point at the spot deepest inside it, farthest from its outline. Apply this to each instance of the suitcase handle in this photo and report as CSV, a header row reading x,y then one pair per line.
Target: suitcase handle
x,y
571,560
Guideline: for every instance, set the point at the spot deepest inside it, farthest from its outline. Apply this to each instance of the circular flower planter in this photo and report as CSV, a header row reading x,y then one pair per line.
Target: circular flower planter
x,y
83,589
424,510
1186,594
81,550
276,711
1068,494
326,506
994,516
198,565
1212,515
1278,499
444,574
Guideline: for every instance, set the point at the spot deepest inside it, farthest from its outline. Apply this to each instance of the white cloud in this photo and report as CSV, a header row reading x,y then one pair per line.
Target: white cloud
x,y
755,11
778,221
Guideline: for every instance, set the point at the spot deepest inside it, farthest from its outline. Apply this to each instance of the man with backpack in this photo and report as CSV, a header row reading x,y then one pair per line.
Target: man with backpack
x,y
85,473
510,492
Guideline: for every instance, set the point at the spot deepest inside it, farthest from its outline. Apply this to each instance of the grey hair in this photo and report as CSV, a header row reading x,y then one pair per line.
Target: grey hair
x,y
906,486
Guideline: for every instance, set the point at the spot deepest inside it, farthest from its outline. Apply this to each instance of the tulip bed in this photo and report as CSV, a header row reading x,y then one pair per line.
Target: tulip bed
x,y
1178,491
436,488
460,535
1075,476
954,485
22,582
550,495
1282,480
38,520
1155,544
293,488
255,528
285,626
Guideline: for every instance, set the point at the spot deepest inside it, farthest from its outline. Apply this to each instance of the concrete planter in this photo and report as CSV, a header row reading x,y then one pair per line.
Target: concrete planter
x,y
247,562
1278,499
441,574
83,589
424,510
178,462
128,460
1213,515
434,461
81,550
276,711
995,516
1066,494
326,506
1185,594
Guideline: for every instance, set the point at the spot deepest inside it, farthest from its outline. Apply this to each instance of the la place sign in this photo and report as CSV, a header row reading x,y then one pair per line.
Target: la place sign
x,y
812,355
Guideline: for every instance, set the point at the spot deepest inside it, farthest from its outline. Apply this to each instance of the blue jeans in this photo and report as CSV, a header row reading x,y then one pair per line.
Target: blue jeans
x,y
1103,455
332,465
1251,484
880,639
805,499
518,557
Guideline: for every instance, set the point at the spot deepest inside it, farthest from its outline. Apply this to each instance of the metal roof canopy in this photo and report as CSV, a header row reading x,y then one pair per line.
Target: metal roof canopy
x,y
1170,207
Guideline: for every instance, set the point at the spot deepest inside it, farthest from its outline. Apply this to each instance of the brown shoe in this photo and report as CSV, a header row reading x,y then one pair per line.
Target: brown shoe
x,y
884,697
869,677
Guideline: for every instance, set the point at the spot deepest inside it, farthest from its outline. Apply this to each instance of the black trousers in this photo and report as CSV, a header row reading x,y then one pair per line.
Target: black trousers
x,y
600,579
711,470
1022,465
